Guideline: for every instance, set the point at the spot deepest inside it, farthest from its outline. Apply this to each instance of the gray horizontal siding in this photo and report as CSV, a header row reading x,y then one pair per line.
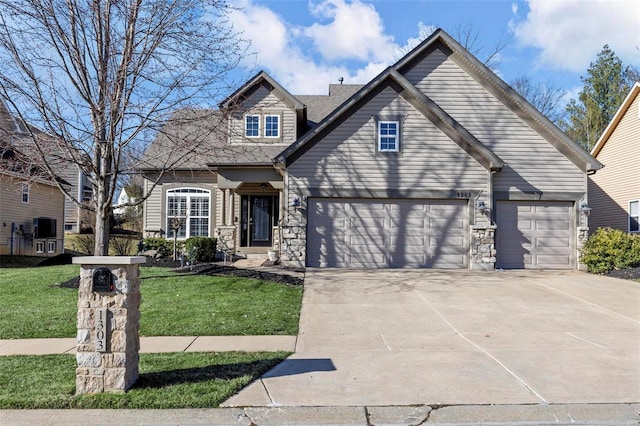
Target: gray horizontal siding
x,y
533,164
154,208
348,157
612,187
263,102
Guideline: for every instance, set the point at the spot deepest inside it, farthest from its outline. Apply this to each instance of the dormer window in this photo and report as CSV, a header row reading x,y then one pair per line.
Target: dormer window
x,y
272,126
252,126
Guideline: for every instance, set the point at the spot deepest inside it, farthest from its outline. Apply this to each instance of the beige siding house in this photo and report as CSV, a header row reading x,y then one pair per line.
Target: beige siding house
x,y
434,163
31,214
614,192
13,132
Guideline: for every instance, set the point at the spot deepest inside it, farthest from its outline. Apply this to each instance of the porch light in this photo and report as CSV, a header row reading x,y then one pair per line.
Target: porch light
x,y
585,209
482,207
295,203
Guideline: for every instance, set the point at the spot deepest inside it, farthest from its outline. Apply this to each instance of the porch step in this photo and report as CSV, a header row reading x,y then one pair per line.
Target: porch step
x,y
262,256
249,263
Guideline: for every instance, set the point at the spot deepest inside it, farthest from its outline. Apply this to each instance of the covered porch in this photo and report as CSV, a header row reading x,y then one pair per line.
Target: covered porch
x,y
250,210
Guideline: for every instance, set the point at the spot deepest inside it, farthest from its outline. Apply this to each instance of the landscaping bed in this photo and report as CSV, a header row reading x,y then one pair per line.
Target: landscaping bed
x,y
627,274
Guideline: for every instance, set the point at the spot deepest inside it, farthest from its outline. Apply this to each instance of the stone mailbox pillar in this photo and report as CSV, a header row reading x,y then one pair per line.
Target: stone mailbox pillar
x,y
108,322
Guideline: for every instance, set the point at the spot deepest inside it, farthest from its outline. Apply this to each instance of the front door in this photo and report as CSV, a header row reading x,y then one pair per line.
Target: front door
x,y
257,220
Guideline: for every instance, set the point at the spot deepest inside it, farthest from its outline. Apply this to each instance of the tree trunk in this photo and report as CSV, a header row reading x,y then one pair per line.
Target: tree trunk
x,y
101,229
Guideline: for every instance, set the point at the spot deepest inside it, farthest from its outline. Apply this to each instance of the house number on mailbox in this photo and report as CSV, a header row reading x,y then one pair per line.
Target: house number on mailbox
x,y
101,329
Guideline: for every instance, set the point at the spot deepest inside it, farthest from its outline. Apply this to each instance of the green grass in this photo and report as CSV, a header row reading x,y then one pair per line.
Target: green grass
x,y
172,304
173,380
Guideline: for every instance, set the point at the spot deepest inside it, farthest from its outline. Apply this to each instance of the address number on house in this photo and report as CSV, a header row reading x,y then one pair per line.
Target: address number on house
x,y
463,195
101,329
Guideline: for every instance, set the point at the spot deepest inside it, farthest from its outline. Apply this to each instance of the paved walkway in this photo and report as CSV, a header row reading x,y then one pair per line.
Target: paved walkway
x,y
495,415
159,344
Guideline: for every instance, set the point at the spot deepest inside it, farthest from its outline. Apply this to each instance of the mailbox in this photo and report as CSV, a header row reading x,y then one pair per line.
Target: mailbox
x,y
103,280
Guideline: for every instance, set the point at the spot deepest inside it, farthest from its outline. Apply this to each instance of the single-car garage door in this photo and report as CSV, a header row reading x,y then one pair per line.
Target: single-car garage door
x,y
535,235
370,233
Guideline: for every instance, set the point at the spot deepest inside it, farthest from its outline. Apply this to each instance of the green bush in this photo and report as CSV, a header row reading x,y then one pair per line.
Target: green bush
x,y
201,249
162,246
609,249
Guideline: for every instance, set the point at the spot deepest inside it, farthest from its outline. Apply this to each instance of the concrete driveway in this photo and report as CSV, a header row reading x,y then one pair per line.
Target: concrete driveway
x,y
411,337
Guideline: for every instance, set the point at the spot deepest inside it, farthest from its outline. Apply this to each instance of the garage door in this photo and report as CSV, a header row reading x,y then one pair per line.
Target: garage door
x,y
387,234
535,235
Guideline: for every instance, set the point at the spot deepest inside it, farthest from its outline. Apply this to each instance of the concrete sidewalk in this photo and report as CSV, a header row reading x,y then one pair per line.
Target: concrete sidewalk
x,y
159,344
522,415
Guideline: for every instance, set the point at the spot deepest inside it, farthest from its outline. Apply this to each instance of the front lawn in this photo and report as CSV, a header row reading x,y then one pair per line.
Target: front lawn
x,y
172,380
35,306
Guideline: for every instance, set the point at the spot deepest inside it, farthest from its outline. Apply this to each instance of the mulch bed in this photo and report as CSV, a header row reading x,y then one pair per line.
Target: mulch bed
x,y
213,269
627,274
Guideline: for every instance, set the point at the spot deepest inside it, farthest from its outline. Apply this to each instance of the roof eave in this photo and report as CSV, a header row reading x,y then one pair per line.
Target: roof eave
x,y
626,104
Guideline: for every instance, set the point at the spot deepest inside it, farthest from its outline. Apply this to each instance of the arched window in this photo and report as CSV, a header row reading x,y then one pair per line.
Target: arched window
x,y
188,211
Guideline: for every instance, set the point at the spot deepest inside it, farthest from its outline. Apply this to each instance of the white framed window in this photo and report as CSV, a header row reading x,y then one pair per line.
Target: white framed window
x,y
634,216
25,193
51,246
252,126
188,211
39,246
388,136
272,126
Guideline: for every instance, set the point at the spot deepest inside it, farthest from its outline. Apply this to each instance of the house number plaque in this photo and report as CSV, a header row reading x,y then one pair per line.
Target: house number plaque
x,y
101,329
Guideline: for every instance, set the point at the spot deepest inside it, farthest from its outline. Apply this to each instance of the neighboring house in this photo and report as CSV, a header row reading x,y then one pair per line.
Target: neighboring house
x,y
79,185
614,192
31,208
123,198
434,163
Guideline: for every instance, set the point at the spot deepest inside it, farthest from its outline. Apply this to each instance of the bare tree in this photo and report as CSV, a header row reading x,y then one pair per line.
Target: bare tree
x,y
545,97
469,37
100,77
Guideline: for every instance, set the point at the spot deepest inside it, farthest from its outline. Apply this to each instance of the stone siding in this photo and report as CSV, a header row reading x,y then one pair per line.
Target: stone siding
x,y
116,368
483,248
293,250
226,239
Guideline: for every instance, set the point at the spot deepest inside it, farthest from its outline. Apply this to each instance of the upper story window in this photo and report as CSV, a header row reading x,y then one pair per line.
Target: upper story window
x,y
388,136
272,126
188,212
634,216
25,193
252,126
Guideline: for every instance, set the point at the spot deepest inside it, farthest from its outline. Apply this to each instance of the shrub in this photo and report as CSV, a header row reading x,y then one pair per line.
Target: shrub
x,y
85,243
120,246
162,246
201,249
609,249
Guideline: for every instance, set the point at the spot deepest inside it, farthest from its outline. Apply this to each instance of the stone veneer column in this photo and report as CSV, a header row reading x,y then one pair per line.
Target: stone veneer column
x,y
583,236
483,248
115,368
293,240
226,239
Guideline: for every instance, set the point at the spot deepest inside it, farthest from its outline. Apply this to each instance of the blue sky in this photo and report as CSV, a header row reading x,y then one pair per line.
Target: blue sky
x,y
306,45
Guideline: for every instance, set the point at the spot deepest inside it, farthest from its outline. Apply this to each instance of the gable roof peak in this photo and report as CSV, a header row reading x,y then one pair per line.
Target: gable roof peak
x,y
260,78
624,106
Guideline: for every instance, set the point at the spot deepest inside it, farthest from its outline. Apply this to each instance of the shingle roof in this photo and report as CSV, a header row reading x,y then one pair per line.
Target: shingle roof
x,y
319,106
197,139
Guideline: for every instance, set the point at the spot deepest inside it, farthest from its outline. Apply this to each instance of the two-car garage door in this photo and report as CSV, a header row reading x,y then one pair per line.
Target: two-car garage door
x,y
370,233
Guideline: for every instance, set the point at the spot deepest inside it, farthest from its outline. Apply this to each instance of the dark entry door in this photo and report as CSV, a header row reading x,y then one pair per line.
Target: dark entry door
x,y
257,220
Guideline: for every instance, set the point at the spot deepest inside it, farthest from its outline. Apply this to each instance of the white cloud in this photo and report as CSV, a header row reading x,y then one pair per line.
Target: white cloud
x,y
303,59
570,33
355,31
